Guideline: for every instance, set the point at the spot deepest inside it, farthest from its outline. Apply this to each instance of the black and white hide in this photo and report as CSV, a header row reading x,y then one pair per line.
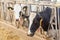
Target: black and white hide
x,y
35,21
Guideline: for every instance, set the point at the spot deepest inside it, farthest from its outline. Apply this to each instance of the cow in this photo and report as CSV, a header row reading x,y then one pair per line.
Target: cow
x,y
17,9
25,16
35,21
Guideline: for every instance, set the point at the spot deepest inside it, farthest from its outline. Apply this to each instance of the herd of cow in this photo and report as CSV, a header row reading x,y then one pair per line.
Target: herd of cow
x,y
35,20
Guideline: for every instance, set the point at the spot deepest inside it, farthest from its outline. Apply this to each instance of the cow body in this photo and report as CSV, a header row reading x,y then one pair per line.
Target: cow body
x,y
34,25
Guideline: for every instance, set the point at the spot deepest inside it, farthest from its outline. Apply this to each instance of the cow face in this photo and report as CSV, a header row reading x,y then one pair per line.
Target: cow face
x,y
34,24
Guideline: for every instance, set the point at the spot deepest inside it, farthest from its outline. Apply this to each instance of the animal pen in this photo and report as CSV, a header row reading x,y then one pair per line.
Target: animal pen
x,y
55,15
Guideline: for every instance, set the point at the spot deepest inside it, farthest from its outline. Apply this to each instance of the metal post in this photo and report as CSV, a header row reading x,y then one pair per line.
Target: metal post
x,y
2,10
56,23
59,24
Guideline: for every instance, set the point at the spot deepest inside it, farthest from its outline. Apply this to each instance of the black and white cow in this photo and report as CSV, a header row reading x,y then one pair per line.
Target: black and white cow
x,y
35,21
25,15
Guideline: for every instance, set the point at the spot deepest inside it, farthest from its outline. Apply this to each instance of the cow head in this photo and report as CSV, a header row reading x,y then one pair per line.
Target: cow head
x,y
33,24
35,21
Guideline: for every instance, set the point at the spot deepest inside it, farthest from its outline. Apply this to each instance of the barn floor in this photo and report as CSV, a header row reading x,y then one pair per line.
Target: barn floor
x,y
9,32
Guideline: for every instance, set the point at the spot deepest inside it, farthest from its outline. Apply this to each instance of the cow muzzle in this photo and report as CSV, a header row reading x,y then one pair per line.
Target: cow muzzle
x,y
30,34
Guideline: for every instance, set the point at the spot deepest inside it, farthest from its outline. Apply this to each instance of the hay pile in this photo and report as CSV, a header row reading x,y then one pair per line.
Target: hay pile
x,y
6,34
10,33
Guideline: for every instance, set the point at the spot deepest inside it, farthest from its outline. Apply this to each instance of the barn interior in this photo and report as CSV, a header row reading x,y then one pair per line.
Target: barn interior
x,y
8,24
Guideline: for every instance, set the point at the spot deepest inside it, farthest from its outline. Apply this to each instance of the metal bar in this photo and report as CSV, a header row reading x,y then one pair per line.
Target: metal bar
x,y
58,23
